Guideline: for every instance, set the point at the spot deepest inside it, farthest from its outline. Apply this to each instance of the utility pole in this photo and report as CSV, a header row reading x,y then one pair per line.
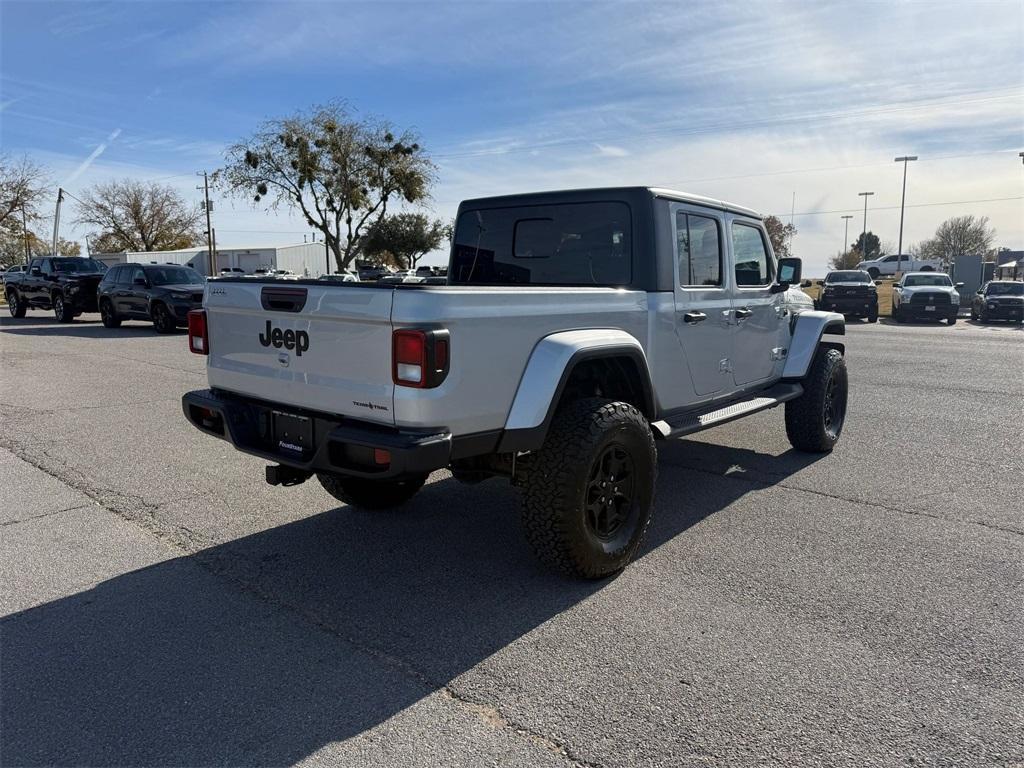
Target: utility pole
x,y
24,228
903,200
864,236
209,230
56,219
846,233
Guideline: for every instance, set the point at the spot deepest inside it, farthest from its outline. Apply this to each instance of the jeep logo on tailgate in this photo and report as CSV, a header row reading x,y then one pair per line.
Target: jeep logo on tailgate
x,y
275,337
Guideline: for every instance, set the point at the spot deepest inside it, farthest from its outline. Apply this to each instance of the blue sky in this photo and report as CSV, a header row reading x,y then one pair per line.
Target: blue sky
x,y
751,102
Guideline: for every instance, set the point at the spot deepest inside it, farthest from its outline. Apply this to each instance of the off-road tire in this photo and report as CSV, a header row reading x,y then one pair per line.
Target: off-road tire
x,y
108,316
163,322
15,305
371,494
588,441
810,426
61,311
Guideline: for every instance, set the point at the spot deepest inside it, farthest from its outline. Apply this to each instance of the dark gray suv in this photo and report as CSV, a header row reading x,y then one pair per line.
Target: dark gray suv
x,y
161,293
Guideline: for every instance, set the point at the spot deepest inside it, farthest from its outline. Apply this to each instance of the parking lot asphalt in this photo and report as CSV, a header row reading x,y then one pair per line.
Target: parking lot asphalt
x,y
163,606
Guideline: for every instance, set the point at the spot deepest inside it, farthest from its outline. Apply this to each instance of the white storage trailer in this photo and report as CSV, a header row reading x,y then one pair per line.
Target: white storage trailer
x,y
305,259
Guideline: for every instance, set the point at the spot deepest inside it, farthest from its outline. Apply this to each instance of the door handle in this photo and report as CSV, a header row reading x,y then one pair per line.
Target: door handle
x,y
694,317
743,314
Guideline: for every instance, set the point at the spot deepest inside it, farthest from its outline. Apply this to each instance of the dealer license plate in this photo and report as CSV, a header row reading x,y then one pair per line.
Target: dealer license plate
x,y
293,434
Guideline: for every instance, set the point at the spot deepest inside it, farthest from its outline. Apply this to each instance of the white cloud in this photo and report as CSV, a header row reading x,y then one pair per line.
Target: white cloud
x,y
608,150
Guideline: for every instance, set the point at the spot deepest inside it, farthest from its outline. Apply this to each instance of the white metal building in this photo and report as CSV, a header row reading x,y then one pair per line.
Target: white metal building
x,y
306,259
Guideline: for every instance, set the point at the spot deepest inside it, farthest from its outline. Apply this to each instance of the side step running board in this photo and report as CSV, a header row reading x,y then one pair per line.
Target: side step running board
x,y
695,421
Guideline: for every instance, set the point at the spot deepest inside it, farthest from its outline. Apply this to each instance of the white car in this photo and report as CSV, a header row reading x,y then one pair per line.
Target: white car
x,y
890,265
17,269
925,296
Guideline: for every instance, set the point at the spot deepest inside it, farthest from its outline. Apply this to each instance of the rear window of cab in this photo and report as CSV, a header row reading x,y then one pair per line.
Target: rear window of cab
x,y
566,244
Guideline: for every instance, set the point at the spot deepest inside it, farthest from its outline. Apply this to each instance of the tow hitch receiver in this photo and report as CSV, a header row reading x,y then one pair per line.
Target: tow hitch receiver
x,y
280,474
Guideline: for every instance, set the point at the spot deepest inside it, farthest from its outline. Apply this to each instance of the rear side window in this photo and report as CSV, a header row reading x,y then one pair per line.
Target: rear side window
x,y
568,244
750,254
110,276
699,250
125,276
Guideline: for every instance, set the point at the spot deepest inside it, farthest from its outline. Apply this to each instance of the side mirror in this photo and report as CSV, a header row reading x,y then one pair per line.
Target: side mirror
x,y
789,271
958,285
819,282
141,281
878,282
805,283
35,271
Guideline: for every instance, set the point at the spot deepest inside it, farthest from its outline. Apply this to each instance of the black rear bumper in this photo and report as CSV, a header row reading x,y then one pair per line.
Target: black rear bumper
x,y
341,446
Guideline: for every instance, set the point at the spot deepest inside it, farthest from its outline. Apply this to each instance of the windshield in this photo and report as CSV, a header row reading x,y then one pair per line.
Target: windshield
x,y
1005,289
78,265
173,276
913,281
852,276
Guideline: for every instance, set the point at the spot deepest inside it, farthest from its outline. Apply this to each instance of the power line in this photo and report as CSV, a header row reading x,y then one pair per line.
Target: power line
x,y
917,205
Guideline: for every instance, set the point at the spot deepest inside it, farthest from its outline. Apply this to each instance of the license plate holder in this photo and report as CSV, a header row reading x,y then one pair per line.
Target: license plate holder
x,y
292,434
929,309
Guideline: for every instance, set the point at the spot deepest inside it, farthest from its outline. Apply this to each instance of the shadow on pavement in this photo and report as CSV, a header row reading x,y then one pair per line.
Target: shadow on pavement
x,y
193,661
91,329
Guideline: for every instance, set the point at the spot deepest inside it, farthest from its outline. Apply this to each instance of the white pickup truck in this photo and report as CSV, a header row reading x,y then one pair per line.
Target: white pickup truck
x,y
577,330
890,265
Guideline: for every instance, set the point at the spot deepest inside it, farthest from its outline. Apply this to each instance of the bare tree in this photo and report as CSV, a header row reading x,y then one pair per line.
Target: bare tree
x,y
22,187
959,236
339,172
139,216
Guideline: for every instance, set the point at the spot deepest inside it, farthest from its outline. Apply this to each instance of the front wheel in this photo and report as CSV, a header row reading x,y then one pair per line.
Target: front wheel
x,y
108,316
371,494
162,320
815,420
589,491
873,315
898,316
974,313
951,320
15,305
61,310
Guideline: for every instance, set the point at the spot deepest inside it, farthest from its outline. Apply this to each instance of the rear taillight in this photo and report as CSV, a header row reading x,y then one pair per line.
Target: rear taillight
x,y
198,337
419,357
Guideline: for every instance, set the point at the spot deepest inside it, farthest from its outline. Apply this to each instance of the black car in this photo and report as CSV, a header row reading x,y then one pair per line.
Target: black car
x,y
849,292
162,293
999,300
67,285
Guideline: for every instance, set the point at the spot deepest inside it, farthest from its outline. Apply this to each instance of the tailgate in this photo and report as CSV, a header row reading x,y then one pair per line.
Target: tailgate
x,y
322,347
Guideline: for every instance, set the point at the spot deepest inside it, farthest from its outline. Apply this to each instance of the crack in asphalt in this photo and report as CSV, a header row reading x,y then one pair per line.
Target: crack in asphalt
x,y
41,515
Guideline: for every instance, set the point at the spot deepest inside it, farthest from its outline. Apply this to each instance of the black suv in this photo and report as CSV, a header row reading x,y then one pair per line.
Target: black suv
x,y
999,300
163,293
849,292
67,285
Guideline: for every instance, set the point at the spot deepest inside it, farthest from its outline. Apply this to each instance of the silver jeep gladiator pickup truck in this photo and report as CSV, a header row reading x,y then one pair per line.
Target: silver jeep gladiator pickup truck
x,y
577,329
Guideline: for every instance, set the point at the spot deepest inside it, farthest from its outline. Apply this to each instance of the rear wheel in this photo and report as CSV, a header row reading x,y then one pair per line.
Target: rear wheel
x,y
108,316
815,420
61,310
162,320
371,494
589,491
15,305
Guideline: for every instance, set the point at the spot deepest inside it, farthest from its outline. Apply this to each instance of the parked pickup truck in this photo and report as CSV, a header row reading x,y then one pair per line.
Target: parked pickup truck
x,y
65,285
926,296
890,265
577,330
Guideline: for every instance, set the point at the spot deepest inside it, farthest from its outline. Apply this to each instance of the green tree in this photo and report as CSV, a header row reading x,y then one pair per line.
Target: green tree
x,y
12,244
405,237
874,246
139,216
781,236
338,171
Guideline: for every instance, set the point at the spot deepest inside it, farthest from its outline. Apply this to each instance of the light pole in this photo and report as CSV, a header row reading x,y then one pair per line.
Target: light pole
x,y
903,200
864,235
846,232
